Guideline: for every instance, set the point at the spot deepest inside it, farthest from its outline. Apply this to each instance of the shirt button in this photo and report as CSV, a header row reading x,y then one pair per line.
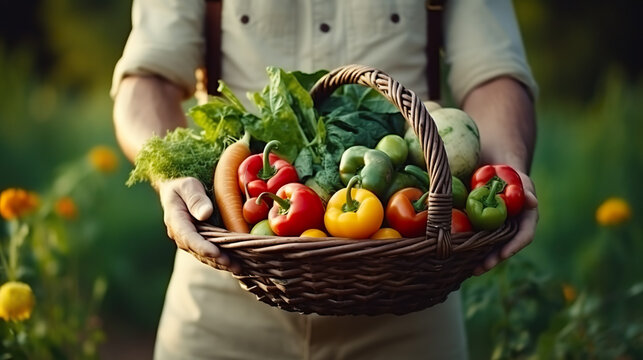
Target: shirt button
x,y
245,19
395,18
324,27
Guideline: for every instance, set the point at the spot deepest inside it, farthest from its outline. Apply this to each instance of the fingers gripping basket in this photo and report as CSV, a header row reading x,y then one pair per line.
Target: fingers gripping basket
x,y
334,276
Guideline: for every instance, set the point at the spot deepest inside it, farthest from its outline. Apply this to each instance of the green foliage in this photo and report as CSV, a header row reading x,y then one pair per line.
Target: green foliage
x,y
535,316
595,326
48,251
570,52
517,302
584,155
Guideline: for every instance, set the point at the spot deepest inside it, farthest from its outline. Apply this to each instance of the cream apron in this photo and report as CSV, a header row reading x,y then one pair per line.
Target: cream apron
x,y
208,316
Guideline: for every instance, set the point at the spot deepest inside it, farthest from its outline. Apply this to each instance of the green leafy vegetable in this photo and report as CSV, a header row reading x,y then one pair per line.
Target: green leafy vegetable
x,y
353,97
221,117
306,80
286,114
179,153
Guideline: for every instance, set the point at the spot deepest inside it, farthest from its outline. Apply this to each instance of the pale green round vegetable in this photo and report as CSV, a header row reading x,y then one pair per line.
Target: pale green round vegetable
x,y
461,140
395,147
416,155
431,106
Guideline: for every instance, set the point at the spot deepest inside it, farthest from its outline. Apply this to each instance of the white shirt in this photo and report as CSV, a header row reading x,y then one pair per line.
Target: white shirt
x,y
482,41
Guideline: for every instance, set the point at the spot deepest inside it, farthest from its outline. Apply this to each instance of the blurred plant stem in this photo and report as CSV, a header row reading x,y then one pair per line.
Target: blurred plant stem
x,y
10,261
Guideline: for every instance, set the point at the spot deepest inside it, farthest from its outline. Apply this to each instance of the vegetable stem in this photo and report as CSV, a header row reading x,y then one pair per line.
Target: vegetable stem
x,y
284,204
268,170
420,204
490,201
351,205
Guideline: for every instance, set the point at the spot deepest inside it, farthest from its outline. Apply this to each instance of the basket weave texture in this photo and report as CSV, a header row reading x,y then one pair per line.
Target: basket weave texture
x,y
335,276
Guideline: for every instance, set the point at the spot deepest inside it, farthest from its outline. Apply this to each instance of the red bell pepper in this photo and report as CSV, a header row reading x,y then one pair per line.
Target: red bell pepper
x,y
406,212
296,208
513,193
265,172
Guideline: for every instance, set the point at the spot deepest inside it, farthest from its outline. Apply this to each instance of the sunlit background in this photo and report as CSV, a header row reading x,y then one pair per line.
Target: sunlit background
x,y
99,267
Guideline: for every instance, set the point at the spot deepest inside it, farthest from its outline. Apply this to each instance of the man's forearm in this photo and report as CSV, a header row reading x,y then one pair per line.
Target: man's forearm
x,y
504,113
145,106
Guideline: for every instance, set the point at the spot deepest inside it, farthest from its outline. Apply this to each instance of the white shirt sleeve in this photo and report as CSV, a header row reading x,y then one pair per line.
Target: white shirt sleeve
x,y
166,40
482,41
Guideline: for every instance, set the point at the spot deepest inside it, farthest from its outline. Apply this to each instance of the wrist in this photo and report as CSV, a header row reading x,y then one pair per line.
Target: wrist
x,y
504,113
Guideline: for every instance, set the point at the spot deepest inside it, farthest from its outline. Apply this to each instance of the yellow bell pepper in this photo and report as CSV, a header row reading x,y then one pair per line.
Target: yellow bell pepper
x,y
353,213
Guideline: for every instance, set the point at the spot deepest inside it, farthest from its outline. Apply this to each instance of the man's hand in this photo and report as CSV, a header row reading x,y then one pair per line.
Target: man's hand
x,y
526,229
504,113
183,200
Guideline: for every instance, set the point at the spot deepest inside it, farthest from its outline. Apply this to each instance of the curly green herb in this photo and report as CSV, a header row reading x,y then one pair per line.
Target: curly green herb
x,y
182,152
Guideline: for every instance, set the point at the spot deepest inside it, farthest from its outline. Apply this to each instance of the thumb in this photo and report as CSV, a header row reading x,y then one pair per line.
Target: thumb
x,y
197,201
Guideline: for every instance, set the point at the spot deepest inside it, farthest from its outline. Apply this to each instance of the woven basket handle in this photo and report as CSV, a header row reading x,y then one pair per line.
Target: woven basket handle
x,y
438,223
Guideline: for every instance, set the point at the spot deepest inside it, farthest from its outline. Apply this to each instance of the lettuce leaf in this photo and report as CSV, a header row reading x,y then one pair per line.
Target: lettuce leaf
x,y
220,118
286,114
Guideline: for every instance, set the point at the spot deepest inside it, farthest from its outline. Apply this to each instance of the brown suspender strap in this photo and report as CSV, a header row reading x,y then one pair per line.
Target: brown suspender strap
x,y
434,44
213,44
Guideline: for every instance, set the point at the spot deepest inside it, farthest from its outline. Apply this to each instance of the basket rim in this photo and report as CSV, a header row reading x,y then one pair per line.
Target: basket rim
x,y
293,247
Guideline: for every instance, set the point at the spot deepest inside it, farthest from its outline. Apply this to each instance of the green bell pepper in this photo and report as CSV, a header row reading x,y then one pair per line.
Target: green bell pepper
x,y
395,147
421,175
373,166
485,208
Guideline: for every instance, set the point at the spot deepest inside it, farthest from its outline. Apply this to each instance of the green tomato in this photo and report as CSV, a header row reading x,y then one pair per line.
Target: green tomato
x,y
395,147
416,155
262,228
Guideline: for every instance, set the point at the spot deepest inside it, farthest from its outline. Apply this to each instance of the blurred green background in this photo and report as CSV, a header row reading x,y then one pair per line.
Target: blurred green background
x,y
56,61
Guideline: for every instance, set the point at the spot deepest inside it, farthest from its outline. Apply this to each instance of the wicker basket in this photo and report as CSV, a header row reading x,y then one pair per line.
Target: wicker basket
x,y
334,276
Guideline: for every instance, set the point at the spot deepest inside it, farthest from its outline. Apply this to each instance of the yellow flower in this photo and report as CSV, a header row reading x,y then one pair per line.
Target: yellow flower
x,y
65,207
103,159
613,211
569,293
16,301
15,203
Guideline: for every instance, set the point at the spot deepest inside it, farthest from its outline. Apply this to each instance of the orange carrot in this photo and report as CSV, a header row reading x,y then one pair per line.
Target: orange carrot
x,y
226,185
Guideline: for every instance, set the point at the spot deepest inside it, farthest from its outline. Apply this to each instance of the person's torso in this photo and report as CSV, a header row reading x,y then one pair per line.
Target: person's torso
x,y
322,34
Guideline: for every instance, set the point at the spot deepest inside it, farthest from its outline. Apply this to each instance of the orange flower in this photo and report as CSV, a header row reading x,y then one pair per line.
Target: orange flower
x,y
15,203
569,293
16,301
65,207
613,211
103,159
